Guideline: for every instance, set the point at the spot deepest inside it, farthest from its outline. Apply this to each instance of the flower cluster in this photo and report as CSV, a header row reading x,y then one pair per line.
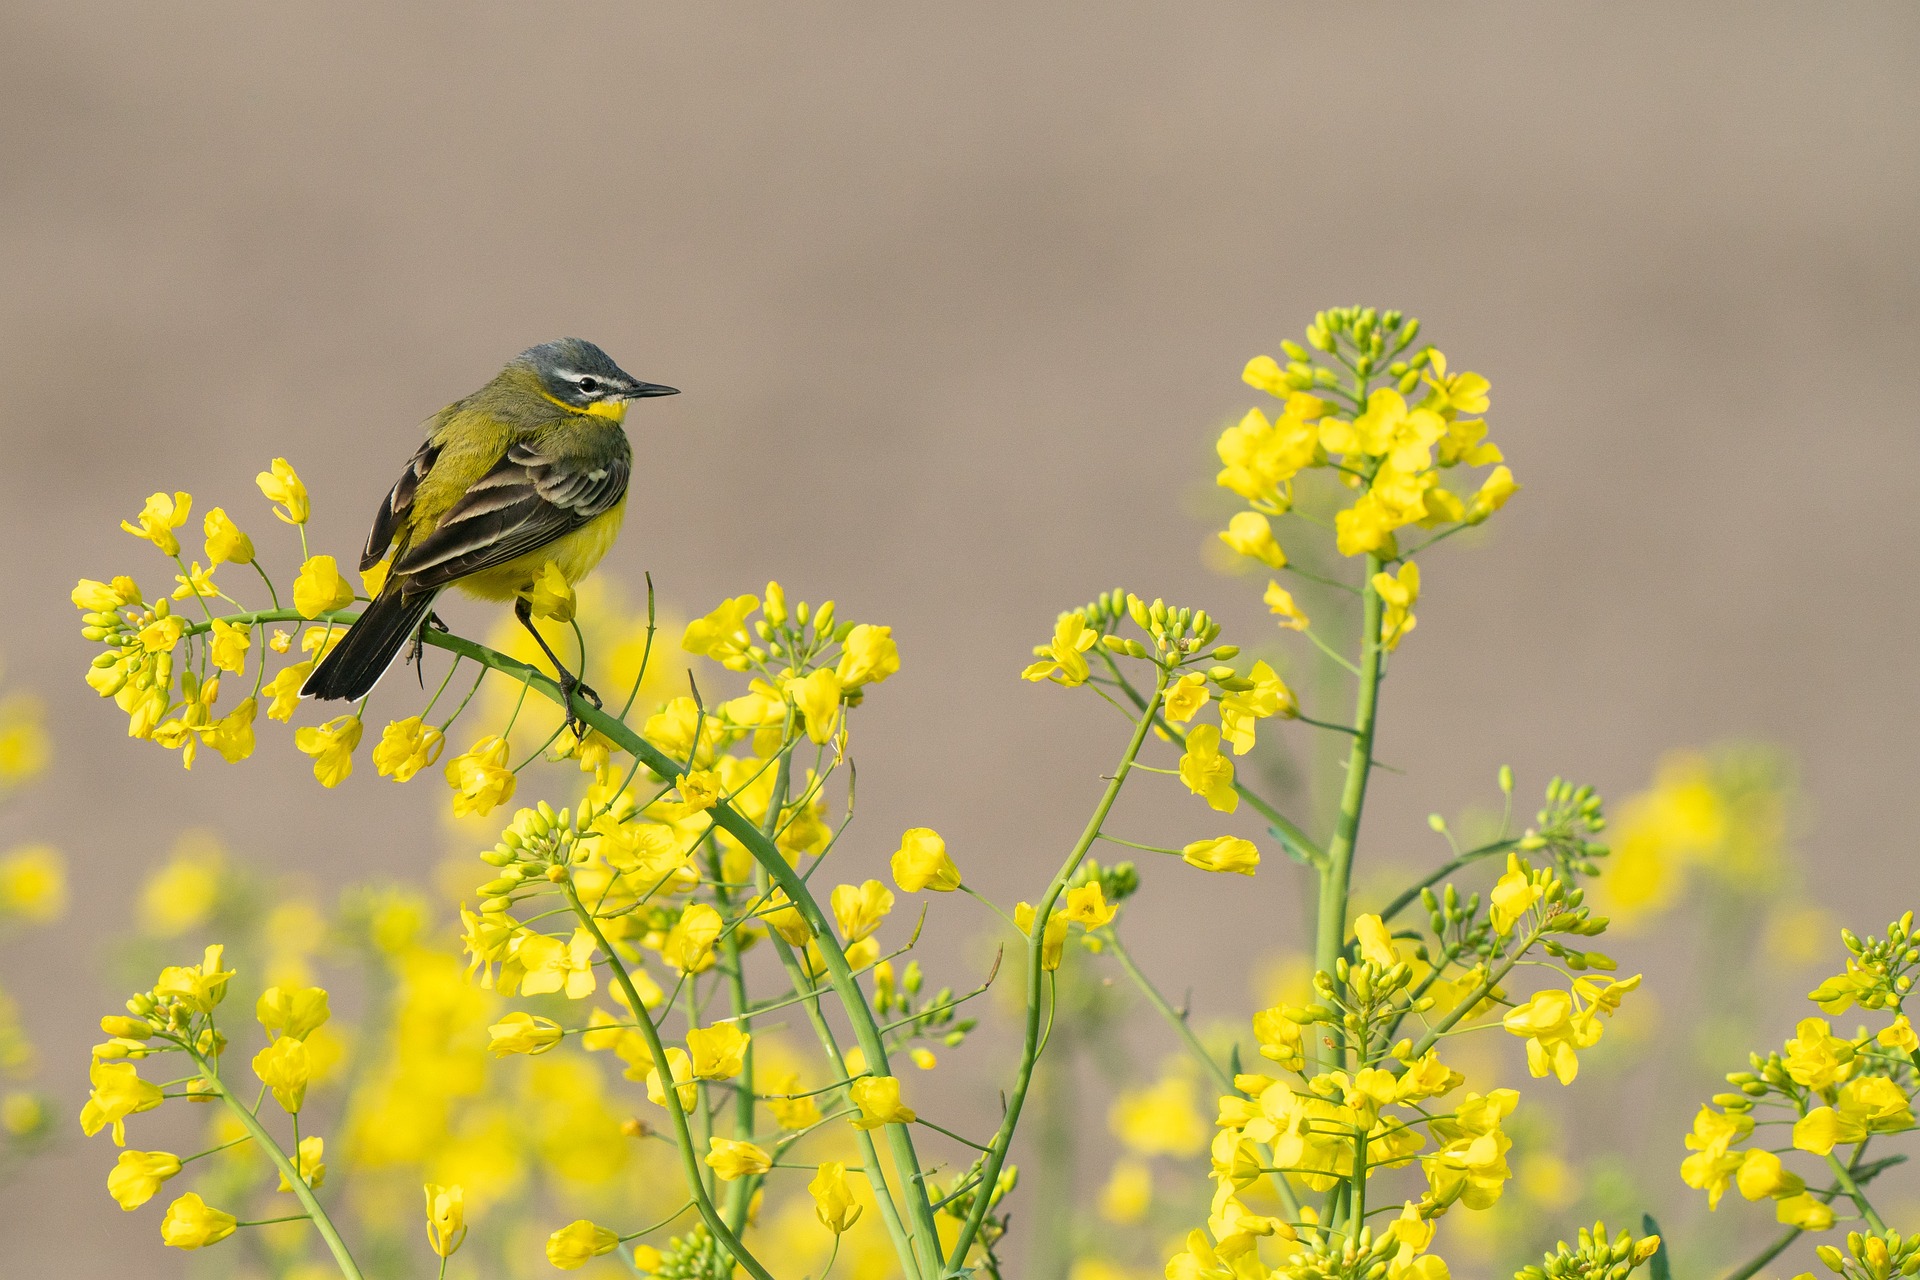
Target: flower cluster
x,y
1837,1092
1389,451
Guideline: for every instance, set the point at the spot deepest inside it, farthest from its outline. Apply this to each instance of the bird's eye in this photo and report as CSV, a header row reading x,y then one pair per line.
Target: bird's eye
x,y
589,385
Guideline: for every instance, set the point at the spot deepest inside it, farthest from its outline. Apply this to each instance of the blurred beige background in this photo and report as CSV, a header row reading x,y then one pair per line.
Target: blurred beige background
x,y
958,296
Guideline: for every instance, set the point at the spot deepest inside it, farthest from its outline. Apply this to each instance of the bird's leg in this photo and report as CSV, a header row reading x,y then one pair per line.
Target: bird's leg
x,y
433,621
570,684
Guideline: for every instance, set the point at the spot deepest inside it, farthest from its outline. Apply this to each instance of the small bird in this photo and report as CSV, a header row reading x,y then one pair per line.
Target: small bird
x,y
531,468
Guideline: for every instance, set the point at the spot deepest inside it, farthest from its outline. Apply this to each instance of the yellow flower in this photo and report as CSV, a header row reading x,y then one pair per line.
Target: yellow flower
x,y
680,1067
282,485
1206,772
138,1175
1225,854
163,633
1376,942
199,986
785,919
689,944
1513,895
406,747
1053,944
722,635
1899,1036
1064,660
480,778
118,1092
878,1098
1471,1165
1087,905
575,1245
159,518
331,745
298,1012
195,583
191,1223
1713,1165
859,911
522,1032
1817,1058
551,595
320,588
232,734
699,790
1555,1028
283,691
307,1163
1804,1212
833,1201
285,1067
446,1218
544,965
1823,1128
1280,1038
1493,495
1761,1175
229,645
1279,601
921,862
226,544
1250,534
1186,696
718,1052
1161,1119
867,656
729,1159
33,883
1399,593
818,698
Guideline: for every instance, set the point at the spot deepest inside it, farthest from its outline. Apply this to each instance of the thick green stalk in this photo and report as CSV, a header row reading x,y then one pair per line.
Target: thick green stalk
x,y
739,1193
302,1192
1336,873
691,1167
996,1156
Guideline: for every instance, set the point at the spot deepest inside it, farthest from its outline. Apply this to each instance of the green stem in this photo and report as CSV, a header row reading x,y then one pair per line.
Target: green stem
x,y
1854,1193
739,1194
1036,944
304,1193
1178,1021
691,1167
1427,881
903,1245
1336,872
1283,826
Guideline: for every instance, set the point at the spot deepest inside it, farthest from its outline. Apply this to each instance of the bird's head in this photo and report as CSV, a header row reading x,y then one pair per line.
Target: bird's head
x,y
582,377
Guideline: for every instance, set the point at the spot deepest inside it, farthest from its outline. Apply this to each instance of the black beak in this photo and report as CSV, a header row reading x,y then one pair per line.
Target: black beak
x,y
641,390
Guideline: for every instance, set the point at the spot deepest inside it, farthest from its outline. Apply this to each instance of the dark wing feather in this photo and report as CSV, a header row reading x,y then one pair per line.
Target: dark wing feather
x,y
392,516
529,499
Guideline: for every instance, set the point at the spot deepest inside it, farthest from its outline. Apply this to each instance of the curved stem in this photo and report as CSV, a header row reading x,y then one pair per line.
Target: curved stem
x,y
1036,971
302,1192
670,1090
1178,1021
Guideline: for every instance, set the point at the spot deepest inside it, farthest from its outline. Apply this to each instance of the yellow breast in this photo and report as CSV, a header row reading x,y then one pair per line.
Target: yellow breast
x,y
575,553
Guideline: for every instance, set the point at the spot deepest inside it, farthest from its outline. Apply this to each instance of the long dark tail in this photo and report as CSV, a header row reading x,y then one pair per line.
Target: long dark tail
x,y
357,662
